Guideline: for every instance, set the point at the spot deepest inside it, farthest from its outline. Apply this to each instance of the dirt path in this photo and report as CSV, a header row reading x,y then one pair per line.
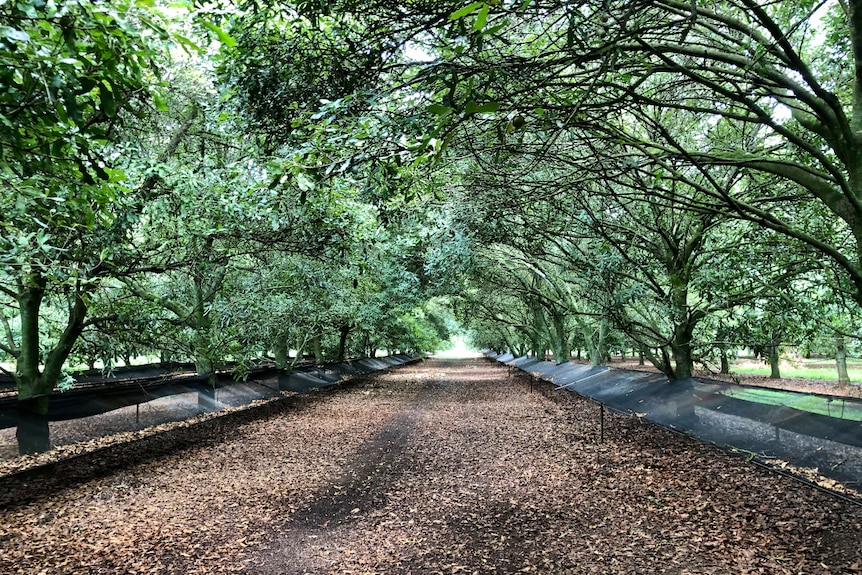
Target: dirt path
x,y
443,467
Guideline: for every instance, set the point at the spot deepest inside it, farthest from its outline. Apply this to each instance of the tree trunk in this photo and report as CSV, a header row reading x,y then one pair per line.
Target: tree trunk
x,y
317,350
601,345
596,343
201,322
663,363
203,360
34,386
33,391
282,353
683,363
641,355
725,363
206,394
32,433
562,351
539,332
343,333
681,347
772,350
841,360
685,322
590,347
204,367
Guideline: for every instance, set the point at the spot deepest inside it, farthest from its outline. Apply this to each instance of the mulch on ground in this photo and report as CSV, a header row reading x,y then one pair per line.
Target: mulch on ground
x,y
442,467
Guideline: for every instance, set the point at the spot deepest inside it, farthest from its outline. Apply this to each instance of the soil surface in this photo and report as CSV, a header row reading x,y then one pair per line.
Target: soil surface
x,y
441,467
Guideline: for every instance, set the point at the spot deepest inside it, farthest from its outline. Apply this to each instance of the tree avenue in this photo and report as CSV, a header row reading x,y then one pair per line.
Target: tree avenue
x,y
243,182
737,110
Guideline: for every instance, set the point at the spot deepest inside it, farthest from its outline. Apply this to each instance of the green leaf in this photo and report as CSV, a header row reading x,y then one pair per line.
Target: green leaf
x,y
446,142
188,45
14,34
494,29
73,112
486,108
304,182
28,8
439,110
161,105
106,95
468,9
482,18
223,36
87,84
61,112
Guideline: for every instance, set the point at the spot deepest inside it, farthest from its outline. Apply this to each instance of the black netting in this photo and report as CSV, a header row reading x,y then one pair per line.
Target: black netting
x,y
785,428
148,395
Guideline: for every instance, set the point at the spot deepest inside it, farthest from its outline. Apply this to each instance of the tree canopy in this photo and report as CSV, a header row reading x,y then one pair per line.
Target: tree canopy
x,y
240,182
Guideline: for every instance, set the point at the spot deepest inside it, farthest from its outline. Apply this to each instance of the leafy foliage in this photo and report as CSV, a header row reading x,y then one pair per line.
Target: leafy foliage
x,y
260,180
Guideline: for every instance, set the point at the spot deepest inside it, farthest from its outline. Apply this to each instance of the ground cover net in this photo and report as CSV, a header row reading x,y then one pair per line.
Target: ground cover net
x,y
144,396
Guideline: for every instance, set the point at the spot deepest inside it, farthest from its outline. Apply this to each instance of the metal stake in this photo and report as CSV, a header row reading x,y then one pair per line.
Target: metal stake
x,y
601,423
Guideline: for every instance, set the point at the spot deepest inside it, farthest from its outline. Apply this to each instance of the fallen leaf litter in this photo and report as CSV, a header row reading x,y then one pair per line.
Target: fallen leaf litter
x,y
442,467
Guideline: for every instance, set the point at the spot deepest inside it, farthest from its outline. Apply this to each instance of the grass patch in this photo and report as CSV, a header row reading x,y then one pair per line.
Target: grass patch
x,y
810,403
801,372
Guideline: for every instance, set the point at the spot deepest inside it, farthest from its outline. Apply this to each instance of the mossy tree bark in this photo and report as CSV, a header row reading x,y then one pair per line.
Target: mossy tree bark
x,y
773,357
35,380
841,361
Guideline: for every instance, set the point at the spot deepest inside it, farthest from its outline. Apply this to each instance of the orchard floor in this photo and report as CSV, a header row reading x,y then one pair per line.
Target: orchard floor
x,y
441,467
